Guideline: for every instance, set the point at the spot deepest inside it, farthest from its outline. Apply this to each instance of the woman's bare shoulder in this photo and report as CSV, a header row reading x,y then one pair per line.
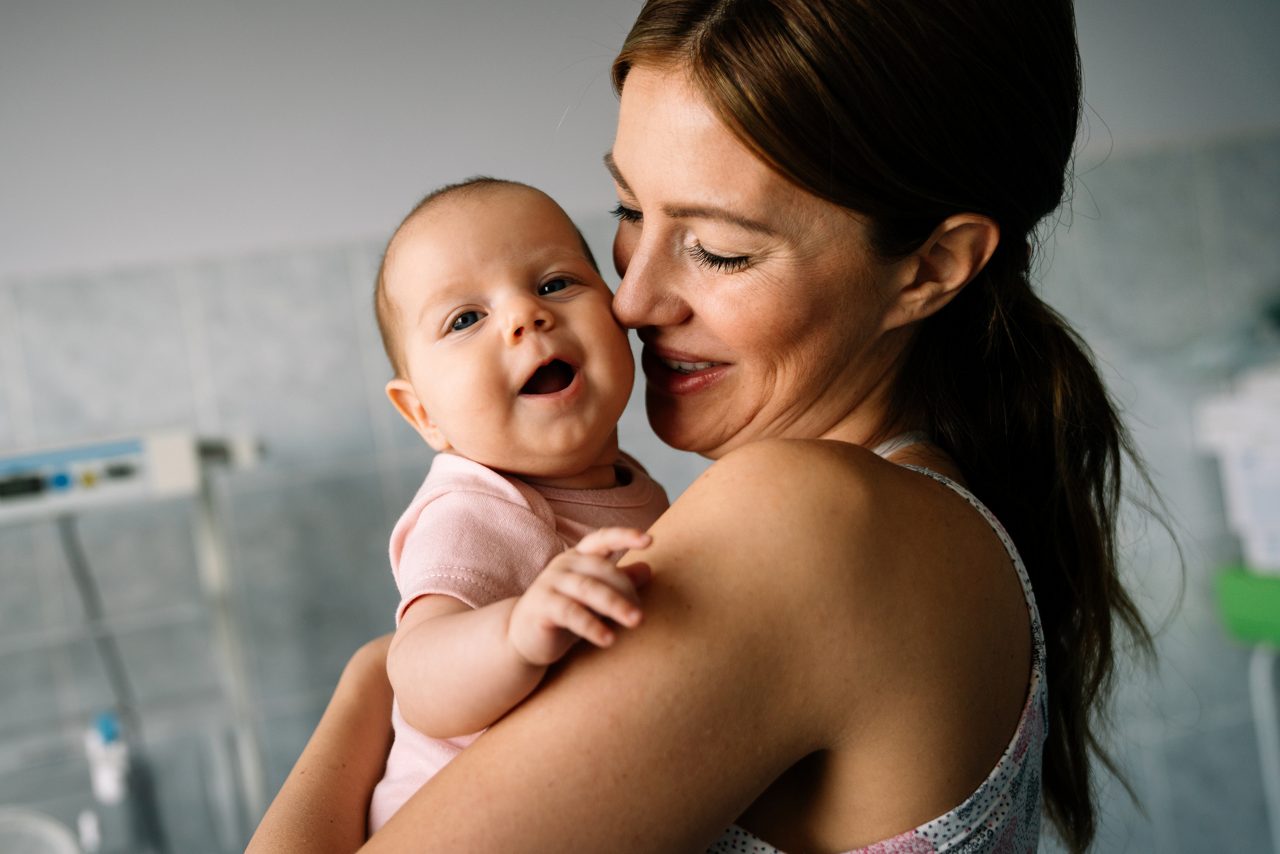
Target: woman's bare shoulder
x,y
814,543
893,565
772,497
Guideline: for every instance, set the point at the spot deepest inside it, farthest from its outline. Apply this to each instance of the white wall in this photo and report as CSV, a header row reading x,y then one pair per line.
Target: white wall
x,y
1163,72
141,131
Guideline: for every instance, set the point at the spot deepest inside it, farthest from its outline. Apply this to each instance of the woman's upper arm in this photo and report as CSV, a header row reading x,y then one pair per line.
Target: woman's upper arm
x,y
323,805
661,741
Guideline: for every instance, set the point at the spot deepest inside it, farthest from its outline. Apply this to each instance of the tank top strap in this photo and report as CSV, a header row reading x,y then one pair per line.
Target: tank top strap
x,y
1003,814
1037,630
915,437
897,443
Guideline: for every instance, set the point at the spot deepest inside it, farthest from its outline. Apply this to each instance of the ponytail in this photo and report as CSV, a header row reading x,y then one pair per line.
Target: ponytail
x,y
1011,392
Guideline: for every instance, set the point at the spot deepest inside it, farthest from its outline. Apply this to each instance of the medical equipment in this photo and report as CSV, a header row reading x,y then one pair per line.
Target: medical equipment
x,y
65,481
1240,428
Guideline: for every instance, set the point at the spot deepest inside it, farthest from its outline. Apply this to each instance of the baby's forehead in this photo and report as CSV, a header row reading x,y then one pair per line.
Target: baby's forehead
x,y
483,209
461,234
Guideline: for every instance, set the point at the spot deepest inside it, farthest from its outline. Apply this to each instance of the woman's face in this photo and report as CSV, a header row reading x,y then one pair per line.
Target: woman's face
x,y
760,306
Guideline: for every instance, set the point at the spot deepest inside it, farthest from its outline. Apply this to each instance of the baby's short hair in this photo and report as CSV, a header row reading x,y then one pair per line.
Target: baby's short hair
x,y
384,309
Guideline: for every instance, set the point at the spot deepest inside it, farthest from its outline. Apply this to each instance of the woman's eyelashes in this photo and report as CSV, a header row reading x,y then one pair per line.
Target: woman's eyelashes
x,y
719,263
622,213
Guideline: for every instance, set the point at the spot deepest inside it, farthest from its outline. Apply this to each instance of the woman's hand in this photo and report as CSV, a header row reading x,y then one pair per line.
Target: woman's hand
x,y
576,593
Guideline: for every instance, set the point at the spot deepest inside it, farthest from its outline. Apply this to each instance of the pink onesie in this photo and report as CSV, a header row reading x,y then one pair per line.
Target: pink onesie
x,y
480,537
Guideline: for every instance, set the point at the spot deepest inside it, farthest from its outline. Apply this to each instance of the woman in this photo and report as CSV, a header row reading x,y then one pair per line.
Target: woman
x,y
826,221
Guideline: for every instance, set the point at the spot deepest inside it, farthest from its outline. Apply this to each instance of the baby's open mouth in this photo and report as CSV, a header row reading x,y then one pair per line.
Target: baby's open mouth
x,y
550,378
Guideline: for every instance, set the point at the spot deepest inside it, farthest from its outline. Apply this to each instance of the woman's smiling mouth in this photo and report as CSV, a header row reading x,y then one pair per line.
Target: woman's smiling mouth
x,y
683,375
687,367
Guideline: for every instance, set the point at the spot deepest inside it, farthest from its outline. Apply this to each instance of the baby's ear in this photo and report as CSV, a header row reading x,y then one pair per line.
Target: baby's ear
x,y
405,399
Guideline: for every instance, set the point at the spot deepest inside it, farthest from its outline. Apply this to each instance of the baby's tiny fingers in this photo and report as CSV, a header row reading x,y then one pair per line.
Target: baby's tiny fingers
x,y
573,616
606,541
601,597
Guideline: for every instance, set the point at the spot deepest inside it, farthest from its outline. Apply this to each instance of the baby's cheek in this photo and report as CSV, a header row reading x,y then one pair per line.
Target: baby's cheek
x,y
473,394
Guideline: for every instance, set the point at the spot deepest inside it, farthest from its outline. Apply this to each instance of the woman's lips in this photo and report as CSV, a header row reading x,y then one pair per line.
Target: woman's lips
x,y
680,373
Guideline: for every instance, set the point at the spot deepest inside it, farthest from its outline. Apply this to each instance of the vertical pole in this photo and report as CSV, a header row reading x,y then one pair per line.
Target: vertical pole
x,y
215,579
1262,690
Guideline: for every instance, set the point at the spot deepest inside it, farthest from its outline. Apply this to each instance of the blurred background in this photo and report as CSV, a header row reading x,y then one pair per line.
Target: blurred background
x,y
193,201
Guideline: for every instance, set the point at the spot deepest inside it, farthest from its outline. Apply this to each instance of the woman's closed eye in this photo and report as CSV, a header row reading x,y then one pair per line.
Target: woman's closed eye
x,y
622,213
464,320
720,263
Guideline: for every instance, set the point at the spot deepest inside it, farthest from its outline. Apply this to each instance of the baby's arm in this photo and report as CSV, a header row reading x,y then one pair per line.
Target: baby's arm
x,y
456,670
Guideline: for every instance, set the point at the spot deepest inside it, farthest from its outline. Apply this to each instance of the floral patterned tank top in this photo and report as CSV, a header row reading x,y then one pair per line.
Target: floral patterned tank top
x,y
1003,814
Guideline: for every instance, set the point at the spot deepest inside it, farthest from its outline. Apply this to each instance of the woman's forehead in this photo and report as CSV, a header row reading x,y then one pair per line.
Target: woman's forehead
x,y
661,110
674,153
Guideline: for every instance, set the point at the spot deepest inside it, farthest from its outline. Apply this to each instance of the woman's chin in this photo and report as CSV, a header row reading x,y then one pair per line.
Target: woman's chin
x,y
697,433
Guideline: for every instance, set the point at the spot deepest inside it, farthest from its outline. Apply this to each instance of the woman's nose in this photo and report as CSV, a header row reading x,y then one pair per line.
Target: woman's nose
x,y
647,295
525,315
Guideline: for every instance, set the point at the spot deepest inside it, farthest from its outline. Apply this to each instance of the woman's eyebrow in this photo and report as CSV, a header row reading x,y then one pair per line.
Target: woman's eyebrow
x,y
694,211
612,166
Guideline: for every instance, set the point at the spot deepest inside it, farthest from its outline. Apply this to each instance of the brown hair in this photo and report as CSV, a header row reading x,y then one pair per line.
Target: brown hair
x,y
909,112
384,310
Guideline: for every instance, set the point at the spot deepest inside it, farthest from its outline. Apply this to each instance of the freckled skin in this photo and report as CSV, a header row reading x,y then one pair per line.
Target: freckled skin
x,y
802,325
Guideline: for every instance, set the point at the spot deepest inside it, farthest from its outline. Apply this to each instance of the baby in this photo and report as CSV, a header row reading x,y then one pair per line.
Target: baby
x,y
509,363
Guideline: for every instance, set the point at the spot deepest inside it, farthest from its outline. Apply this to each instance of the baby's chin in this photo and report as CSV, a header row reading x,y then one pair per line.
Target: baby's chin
x,y
550,465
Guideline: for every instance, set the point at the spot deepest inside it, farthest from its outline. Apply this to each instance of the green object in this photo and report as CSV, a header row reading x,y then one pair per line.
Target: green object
x,y
1250,605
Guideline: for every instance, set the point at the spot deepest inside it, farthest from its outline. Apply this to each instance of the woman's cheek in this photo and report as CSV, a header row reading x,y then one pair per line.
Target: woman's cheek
x,y
756,317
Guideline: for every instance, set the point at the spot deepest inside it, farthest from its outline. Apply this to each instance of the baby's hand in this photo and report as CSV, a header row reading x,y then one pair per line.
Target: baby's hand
x,y
570,598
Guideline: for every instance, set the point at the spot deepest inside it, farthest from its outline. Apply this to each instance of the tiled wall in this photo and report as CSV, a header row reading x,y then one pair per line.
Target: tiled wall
x,y
1167,267
1165,264
282,345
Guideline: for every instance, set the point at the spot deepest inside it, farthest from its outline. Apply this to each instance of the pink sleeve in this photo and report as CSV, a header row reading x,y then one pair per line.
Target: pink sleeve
x,y
473,546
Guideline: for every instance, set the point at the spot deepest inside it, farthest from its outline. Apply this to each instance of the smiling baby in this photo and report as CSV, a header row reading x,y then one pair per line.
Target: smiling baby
x,y
509,363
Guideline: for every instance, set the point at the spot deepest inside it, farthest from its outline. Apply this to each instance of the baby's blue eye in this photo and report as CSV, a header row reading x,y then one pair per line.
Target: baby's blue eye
x,y
462,321
552,286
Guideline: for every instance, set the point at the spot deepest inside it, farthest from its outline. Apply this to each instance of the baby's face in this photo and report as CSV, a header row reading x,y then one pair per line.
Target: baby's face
x,y
512,354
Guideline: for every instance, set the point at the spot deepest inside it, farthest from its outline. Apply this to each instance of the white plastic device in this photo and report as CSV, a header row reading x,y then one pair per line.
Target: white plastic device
x,y
67,478
1242,428
25,831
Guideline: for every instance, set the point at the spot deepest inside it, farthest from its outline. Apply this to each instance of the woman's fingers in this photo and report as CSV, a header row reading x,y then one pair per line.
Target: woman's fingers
x,y
606,541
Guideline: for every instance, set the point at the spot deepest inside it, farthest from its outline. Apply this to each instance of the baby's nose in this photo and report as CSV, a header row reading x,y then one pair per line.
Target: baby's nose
x,y
525,319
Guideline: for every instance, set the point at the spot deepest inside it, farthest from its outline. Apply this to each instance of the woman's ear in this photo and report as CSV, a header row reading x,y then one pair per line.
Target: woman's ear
x,y
948,260
405,399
